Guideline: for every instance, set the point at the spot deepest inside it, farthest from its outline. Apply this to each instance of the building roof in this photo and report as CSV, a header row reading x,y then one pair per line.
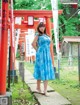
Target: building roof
x,y
69,1
71,39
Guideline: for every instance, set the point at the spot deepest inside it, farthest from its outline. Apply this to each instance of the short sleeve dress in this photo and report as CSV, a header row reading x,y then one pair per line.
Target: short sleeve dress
x,y
43,69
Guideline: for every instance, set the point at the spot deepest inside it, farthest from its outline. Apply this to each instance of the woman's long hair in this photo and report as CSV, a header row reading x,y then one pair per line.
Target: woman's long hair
x,y
41,24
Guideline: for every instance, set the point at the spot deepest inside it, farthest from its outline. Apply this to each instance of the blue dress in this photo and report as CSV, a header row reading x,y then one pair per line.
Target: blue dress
x,y
43,69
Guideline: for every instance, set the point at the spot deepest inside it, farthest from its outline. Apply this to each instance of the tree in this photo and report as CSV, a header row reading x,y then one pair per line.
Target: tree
x,y
0,4
68,25
32,4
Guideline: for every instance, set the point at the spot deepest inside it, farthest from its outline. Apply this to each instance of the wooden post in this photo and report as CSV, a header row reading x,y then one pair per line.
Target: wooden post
x,y
4,46
79,62
70,54
12,42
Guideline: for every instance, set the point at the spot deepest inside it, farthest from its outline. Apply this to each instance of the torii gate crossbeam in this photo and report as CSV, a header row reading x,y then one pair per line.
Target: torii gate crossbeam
x,y
35,13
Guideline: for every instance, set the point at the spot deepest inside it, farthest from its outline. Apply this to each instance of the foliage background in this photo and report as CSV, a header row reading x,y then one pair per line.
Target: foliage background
x,y
69,23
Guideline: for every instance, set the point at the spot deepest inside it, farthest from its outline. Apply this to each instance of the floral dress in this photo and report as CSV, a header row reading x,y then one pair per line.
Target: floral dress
x,y
43,69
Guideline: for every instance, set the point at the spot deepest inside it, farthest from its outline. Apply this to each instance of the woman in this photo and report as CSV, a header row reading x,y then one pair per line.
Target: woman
x,y
43,69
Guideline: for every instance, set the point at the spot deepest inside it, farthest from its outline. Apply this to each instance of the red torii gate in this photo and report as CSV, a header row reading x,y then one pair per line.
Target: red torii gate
x,y
47,14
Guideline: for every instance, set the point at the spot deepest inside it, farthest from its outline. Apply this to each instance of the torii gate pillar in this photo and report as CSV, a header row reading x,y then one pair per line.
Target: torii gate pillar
x,y
3,54
48,27
3,47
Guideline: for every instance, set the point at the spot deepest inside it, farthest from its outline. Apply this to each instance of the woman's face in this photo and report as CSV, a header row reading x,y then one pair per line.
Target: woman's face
x,y
42,29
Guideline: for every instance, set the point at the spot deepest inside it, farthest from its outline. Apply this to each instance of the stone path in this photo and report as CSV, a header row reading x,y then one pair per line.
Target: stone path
x,y
54,97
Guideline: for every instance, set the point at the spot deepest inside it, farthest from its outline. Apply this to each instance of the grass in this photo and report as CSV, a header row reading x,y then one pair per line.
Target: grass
x,y
21,94
68,84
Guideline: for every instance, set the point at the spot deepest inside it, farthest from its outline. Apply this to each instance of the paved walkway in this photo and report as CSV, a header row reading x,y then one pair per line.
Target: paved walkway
x,y
54,97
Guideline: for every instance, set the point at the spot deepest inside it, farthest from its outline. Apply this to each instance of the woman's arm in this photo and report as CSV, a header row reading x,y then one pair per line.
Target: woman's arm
x,y
34,43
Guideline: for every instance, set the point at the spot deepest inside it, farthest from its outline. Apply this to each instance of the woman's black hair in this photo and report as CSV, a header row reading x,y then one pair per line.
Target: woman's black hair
x,y
41,24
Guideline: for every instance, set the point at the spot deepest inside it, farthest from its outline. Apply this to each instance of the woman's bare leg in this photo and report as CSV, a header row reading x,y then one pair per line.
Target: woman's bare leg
x,y
45,86
38,85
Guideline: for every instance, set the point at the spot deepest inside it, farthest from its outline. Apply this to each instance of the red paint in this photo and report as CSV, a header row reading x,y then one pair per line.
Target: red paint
x,y
74,5
4,46
34,13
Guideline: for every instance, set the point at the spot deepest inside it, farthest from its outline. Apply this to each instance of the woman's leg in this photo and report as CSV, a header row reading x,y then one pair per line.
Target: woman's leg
x,y
38,85
45,86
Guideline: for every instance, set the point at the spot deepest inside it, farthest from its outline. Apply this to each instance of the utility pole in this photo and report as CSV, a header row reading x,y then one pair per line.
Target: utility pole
x,y
54,4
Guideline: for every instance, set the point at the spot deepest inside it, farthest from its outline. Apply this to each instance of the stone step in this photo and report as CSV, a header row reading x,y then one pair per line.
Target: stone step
x,y
54,98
